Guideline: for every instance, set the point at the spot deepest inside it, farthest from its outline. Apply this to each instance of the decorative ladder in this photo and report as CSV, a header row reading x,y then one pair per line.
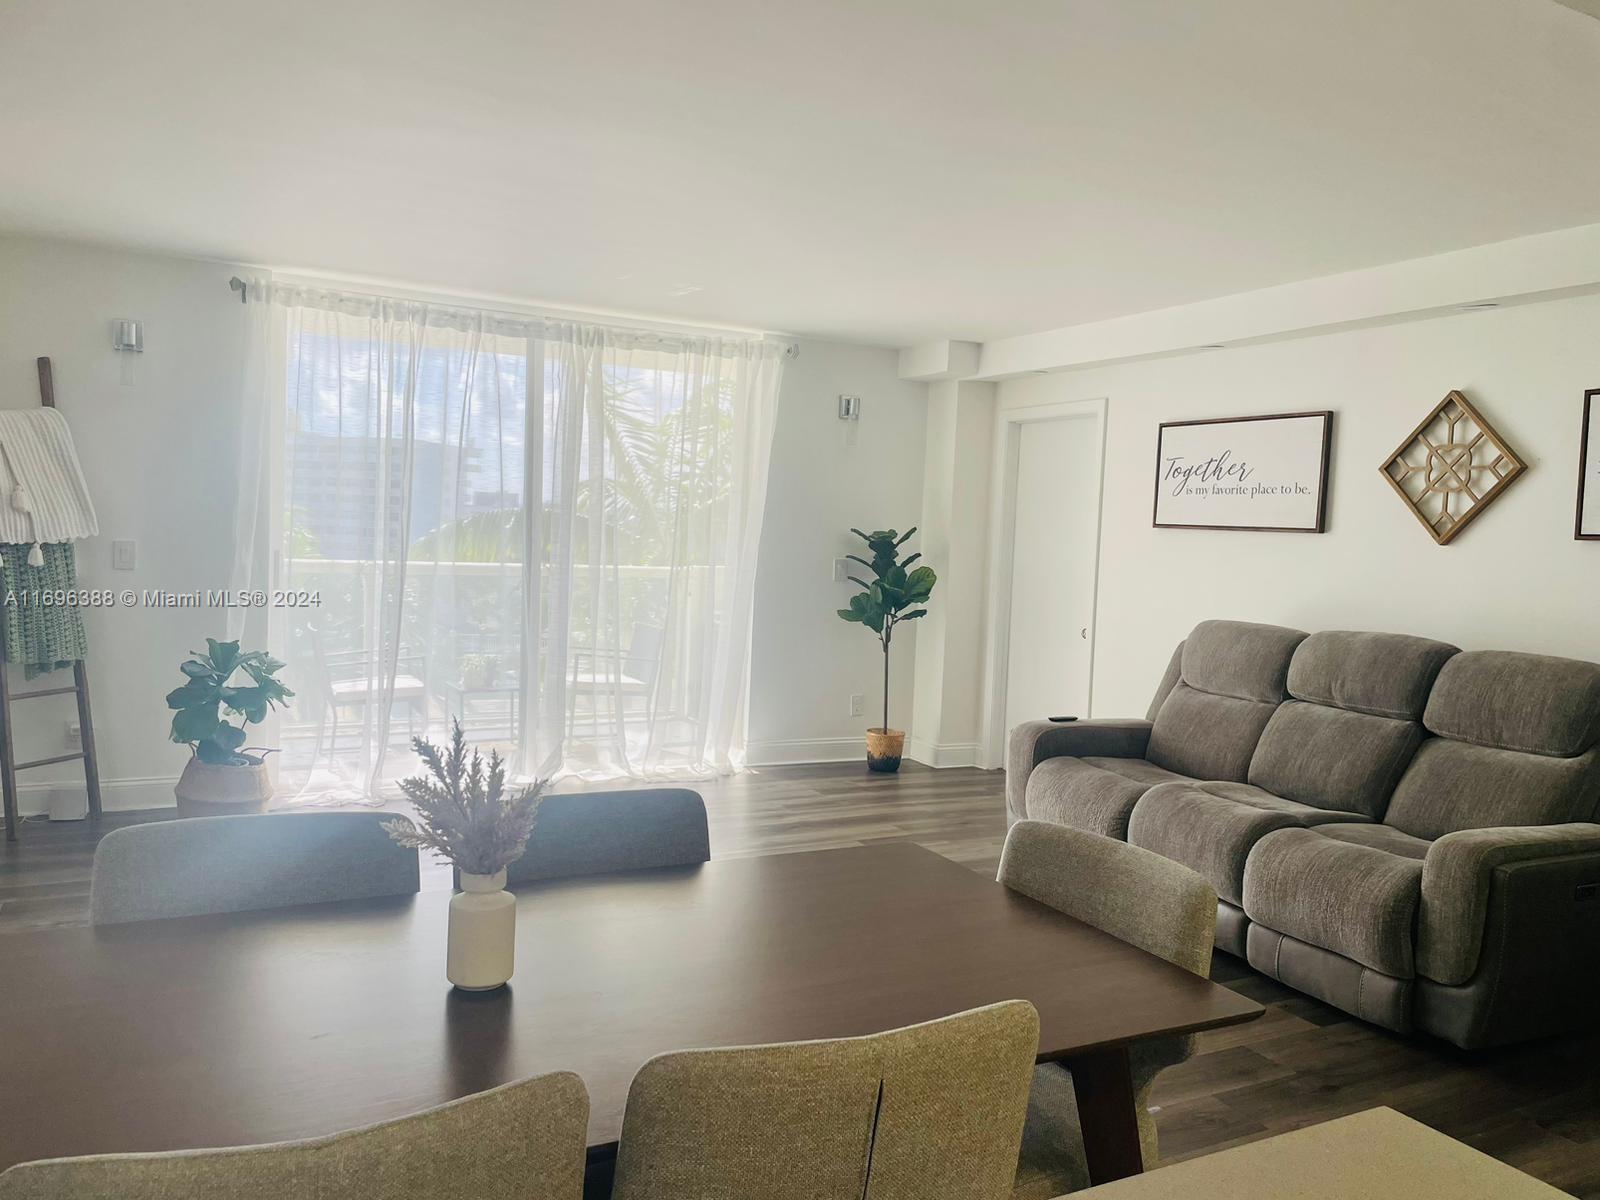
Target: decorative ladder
x,y
9,766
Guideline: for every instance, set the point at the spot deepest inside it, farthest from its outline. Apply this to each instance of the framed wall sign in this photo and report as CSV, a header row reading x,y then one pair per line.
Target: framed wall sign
x,y
1266,473
1589,469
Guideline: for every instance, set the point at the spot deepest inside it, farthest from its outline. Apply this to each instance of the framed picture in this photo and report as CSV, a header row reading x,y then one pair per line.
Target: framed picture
x,y
1268,474
1588,528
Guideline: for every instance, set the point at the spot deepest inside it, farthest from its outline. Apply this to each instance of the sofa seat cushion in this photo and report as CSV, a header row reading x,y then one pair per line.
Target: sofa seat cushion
x,y
1358,901
1379,837
1211,827
1093,794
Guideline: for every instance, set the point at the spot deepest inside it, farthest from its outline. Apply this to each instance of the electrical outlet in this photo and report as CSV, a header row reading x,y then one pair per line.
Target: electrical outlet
x,y
858,704
124,554
74,736
841,570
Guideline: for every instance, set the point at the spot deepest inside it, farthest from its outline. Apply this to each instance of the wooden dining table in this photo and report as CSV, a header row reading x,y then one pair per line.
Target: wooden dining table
x,y
254,1027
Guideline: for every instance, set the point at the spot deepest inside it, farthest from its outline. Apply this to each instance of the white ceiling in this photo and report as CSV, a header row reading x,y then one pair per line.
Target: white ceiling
x,y
877,170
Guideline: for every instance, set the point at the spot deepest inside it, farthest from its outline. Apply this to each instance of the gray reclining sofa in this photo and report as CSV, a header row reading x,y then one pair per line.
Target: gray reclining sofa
x,y
1397,827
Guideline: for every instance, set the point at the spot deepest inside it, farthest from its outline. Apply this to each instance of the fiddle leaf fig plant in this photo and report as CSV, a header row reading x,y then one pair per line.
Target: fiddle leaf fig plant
x,y
896,592
213,690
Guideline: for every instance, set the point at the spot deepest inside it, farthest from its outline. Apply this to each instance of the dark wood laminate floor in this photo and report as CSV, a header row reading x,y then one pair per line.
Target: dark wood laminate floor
x,y
1536,1107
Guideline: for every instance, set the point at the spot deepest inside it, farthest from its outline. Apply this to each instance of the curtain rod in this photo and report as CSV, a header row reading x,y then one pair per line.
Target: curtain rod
x,y
791,347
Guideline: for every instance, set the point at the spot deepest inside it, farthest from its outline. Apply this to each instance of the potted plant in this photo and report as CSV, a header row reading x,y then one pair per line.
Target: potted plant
x,y
894,594
222,775
467,815
479,670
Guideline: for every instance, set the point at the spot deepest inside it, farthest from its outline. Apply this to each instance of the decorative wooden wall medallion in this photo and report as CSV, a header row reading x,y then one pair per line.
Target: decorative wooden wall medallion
x,y
1451,468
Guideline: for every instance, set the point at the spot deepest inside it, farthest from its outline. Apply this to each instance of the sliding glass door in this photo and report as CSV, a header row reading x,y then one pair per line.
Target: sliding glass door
x,y
546,533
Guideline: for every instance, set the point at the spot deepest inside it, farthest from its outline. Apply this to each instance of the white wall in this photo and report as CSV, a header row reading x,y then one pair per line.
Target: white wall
x,y
955,542
1515,579
828,475
157,452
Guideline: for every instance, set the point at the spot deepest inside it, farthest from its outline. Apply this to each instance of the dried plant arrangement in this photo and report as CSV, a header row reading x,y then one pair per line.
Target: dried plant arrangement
x,y
464,810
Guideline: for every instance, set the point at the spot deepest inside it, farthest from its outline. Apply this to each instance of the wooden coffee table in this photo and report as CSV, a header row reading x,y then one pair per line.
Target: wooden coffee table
x,y
257,1027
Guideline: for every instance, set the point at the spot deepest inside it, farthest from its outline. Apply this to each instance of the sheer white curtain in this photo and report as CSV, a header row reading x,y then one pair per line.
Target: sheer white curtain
x,y
544,529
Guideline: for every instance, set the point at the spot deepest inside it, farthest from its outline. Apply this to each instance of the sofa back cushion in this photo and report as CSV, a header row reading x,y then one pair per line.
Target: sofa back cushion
x,y
1169,680
1354,721
1232,677
1527,702
1517,742
1384,674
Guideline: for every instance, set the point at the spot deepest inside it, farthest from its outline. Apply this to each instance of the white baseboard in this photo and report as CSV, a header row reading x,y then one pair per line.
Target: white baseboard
x,y
777,752
796,751
947,754
116,795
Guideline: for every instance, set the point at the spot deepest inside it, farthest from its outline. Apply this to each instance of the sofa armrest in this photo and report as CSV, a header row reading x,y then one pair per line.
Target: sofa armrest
x,y
1034,741
1457,875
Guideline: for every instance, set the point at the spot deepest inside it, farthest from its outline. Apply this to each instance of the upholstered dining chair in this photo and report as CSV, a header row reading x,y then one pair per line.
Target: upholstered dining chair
x,y
197,865
597,833
1149,901
932,1110
523,1141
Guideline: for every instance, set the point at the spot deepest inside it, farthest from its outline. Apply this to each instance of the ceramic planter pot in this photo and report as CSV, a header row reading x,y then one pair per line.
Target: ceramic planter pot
x,y
222,789
483,933
884,747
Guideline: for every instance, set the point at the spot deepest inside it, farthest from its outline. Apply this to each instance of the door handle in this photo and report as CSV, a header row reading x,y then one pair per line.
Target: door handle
x,y
1084,633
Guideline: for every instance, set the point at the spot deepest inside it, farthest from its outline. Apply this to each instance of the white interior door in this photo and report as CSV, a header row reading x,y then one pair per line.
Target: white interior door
x,y
1052,568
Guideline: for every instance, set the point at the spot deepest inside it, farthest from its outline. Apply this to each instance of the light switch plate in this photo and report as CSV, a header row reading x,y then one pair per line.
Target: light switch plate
x,y
124,554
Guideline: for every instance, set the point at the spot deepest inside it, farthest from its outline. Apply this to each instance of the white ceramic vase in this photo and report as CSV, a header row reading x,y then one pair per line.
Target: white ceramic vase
x,y
483,933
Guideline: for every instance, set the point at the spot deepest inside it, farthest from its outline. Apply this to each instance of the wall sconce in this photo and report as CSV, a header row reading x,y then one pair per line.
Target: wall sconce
x,y
127,335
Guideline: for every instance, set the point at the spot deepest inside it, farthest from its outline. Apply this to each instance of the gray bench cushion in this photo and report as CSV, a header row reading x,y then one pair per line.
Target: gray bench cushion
x,y
1211,827
1092,794
1357,901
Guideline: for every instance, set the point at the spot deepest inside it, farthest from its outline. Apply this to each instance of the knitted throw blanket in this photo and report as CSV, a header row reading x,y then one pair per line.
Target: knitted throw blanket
x,y
41,636
37,456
